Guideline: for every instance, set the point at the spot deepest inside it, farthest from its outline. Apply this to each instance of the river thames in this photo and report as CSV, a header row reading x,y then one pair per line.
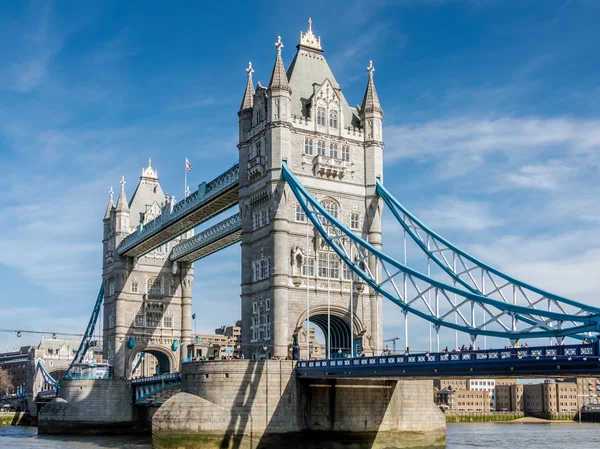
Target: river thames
x,y
460,436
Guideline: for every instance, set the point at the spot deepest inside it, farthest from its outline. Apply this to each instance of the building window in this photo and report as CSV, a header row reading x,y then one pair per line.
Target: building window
x,y
153,319
354,220
172,289
333,119
139,320
154,286
321,116
308,146
268,304
134,287
333,150
346,272
261,269
329,266
321,147
168,322
346,153
308,267
332,208
300,215
260,218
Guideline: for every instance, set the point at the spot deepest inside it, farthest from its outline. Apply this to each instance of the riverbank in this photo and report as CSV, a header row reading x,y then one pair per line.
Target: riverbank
x,y
482,417
15,419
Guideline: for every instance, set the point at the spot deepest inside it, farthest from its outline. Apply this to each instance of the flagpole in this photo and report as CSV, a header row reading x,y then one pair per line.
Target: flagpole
x,y
185,179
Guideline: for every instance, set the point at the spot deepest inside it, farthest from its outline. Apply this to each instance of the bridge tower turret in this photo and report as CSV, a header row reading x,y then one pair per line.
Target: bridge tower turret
x,y
147,299
371,116
302,119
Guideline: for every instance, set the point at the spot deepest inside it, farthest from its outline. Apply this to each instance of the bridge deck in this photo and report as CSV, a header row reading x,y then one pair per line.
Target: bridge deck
x,y
514,362
208,201
215,238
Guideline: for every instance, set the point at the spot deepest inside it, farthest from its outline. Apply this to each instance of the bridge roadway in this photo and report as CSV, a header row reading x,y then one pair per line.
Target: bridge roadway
x,y
209,200
543,361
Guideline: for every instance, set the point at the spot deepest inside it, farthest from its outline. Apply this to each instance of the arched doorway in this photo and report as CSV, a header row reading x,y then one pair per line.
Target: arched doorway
x,y
150,361
340,334
343,337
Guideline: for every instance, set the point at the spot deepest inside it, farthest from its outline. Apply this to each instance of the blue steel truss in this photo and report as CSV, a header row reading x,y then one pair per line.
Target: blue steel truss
x,y
198,199
89,332
409,289
571,360
474,275
47,376
225,233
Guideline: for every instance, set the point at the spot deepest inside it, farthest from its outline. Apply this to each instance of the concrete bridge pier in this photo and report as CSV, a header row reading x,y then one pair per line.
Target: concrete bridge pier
x,y
261,404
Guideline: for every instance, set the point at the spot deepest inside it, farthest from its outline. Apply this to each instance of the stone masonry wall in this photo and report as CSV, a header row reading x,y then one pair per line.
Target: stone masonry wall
x,y
260,403
86,406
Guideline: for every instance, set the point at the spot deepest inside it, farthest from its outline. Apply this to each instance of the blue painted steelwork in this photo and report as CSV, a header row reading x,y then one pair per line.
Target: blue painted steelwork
x,y
213,234
516,362
55,384
147,387
367,257
195,201
461,267
138,362
89,332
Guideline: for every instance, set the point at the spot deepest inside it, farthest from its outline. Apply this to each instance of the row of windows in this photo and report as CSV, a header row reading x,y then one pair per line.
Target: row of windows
x,y
153,319
321,118
261,269
328,267
335,151
333,210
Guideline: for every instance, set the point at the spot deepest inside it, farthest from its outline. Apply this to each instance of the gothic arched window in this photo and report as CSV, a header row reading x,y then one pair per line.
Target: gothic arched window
x,y
333,119
134,287
154,286
332,207
321,116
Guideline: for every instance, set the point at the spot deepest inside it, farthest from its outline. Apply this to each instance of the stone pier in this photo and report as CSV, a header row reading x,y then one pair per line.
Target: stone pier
x,y
90,407
260,404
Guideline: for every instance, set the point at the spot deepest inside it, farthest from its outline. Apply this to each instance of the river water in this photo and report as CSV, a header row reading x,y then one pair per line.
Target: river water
x,y
459,436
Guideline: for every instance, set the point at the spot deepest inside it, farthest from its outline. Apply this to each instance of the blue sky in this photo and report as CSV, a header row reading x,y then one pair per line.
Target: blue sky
x,y
492,131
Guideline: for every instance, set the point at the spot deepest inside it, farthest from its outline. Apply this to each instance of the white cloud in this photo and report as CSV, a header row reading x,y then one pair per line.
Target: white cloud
x,y
438,139
542,176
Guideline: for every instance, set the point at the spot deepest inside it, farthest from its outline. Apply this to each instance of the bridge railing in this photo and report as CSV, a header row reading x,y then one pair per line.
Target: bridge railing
x,y
167,377
211,235
205,192
456,357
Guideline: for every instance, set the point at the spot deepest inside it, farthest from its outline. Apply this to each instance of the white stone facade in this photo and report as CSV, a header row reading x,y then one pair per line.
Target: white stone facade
x,y
303,119
147,300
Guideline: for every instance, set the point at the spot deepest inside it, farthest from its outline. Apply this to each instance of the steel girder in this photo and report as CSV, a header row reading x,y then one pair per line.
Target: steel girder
x,y
89,332
408,288
215,238
209,200
473,275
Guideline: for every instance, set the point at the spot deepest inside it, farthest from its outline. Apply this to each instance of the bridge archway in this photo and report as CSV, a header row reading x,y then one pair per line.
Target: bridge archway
x,y
341,330
165,359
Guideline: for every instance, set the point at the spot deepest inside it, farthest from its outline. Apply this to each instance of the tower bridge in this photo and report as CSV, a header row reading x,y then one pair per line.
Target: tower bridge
x,y
310,191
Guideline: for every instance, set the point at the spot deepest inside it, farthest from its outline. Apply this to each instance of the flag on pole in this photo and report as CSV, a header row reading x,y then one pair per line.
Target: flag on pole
x,y
188,165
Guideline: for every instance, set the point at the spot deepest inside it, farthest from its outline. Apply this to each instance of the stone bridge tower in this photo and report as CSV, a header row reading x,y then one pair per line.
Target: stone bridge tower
x,y
147,300
303,118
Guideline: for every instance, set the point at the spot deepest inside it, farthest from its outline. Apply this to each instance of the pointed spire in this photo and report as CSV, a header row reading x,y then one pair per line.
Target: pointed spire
x,y
279,79
110,206
248,100
122,202
371,100
309,40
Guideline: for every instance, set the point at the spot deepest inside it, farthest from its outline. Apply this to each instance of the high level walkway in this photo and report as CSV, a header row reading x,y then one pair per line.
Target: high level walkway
x,y
208,201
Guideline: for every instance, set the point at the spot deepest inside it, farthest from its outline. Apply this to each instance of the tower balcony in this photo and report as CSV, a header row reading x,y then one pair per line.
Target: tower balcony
x,y
329,167
256,167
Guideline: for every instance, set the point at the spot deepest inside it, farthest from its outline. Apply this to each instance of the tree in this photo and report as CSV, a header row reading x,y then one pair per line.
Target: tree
x,y
5,381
